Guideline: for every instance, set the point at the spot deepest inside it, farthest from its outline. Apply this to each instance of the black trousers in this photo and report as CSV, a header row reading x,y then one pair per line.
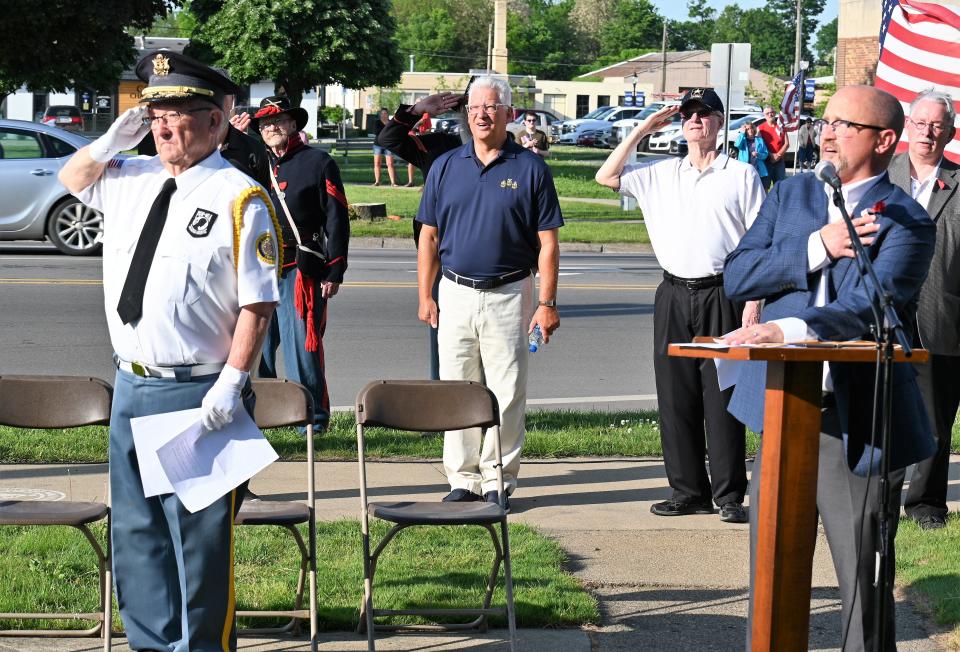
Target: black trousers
x,y
927,494
689,397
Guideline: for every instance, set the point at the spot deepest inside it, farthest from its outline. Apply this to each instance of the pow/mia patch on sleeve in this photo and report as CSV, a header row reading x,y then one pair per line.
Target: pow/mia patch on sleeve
x,y
266,251
201,223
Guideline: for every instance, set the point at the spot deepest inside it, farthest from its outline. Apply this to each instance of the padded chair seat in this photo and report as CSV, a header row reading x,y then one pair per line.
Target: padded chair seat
x,y
272,512
421,513
50,512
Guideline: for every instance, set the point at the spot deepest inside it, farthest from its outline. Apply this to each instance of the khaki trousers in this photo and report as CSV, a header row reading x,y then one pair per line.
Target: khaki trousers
x,y
482,336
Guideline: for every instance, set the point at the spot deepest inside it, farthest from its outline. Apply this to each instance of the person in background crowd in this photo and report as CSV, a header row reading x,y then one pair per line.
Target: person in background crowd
x,y
777,144
752,150
382,119
532,138
805,144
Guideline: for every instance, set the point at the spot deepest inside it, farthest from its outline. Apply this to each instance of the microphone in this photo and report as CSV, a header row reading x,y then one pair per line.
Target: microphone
x,y
827,172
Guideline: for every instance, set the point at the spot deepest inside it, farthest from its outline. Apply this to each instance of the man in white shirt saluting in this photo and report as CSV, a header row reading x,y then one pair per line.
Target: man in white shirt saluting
x,y
695,209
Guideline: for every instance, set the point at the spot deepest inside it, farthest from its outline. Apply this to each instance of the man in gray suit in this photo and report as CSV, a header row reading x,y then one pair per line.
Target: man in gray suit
x,y
932,180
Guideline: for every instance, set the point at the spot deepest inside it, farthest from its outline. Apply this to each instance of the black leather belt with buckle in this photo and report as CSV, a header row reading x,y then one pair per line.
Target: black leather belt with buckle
x,y
695,283
485,283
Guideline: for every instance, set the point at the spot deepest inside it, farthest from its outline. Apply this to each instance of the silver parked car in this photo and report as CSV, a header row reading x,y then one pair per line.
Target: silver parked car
x,y
33,204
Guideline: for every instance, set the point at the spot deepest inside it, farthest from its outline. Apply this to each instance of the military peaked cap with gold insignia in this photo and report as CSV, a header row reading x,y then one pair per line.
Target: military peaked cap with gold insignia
x,y
172,76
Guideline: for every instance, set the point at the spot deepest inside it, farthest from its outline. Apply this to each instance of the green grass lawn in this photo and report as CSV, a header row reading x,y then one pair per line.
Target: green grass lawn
x,y
53,569
585,222
550,434
573,171
928,565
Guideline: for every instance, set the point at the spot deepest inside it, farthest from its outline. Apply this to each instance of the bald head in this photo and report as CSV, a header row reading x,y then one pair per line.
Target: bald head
x,y
882,108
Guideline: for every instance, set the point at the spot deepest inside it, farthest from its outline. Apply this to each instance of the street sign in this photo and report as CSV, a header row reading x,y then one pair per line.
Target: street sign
x,y
640,99
809,87
628,98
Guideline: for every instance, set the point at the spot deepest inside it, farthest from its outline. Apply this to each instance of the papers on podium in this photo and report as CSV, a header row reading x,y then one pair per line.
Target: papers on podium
x,y
176,455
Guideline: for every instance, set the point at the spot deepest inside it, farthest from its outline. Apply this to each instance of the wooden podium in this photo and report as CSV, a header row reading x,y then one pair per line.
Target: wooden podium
x,y
787,520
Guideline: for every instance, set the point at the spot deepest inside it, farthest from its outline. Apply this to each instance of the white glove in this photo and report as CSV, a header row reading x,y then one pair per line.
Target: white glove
x,y
126,132
223,399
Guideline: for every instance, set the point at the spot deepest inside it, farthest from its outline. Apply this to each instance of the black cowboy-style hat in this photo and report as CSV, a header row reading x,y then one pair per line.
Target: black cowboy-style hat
x,y
172,76
275,105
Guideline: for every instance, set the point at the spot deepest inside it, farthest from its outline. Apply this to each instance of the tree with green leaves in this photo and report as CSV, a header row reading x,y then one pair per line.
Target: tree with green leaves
x,y
300,44
696,33
443,35
542,39
826,42
786,10
72,44
770,38
633,24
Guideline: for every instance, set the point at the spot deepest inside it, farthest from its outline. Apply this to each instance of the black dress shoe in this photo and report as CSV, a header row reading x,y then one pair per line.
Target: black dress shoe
x,y
493,497
677,508
461,496
931,522
733,513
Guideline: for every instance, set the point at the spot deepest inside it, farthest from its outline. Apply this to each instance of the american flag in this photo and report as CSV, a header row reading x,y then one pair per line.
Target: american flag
x,y
790,107
920,49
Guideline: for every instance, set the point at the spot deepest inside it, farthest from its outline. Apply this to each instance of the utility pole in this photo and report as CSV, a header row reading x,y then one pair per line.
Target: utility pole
x,y
663,55
797,48
411,63
489,47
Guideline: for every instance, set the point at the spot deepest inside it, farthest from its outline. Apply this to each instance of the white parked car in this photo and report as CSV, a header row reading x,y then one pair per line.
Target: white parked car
x,y
600,120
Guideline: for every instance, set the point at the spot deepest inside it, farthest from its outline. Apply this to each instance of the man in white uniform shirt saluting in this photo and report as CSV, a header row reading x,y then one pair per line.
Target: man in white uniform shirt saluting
x,y
695,209
190,284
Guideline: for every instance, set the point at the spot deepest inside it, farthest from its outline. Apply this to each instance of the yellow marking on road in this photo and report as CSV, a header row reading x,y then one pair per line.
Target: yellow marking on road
x,y
351,284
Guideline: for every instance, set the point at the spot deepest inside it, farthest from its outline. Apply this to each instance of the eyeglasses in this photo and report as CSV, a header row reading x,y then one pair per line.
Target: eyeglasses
x,y
275,124
171,118
936,127
705,113
489,109
841,127
530,120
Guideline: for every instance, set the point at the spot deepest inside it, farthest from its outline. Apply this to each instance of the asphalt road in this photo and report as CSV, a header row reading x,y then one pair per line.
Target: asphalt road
x,y
52,322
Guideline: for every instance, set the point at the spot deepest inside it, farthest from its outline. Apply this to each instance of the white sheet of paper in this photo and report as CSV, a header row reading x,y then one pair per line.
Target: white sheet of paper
x,y
202,467
149,434
728,372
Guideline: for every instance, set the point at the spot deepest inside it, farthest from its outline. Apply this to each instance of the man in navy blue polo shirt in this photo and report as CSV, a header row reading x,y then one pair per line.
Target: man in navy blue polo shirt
x,y
490,216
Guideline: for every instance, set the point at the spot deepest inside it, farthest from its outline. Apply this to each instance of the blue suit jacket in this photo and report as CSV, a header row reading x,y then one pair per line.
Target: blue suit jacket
x,y
771,263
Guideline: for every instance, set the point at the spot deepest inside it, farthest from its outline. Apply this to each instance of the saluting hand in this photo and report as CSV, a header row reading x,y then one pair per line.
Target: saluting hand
x,y
126,132
660,119
241,121
437,103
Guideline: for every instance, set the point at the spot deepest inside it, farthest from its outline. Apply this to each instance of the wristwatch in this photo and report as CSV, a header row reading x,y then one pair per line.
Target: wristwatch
x,y
549,303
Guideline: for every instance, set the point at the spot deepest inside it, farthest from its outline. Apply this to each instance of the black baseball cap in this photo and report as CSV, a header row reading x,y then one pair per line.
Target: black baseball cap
x,y
173,76
701,98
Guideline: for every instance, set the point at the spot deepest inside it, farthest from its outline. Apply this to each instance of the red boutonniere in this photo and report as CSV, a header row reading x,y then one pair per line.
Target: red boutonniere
x,y
940,184
878,208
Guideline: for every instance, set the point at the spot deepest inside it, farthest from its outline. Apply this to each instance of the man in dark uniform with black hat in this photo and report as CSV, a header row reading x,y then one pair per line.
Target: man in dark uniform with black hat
x,y
308,196
190,281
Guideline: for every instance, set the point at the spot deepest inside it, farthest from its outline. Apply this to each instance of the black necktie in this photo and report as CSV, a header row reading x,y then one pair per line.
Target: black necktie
x,y
130,306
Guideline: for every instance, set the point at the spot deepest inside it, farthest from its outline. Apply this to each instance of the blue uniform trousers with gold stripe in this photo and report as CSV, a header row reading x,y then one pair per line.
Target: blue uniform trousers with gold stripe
x,y
173,569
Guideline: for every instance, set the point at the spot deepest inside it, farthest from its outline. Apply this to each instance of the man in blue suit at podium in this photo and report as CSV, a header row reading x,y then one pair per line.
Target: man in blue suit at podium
x,y
798,258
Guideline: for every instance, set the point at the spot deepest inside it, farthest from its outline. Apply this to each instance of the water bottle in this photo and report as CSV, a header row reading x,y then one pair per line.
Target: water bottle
x,y
536,339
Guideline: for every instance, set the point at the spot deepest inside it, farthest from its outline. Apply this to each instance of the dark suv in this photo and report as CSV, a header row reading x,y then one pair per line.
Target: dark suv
x,y
65,117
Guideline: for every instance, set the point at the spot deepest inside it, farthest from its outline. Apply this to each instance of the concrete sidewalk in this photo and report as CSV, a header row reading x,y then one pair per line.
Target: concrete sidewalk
x,y
663,584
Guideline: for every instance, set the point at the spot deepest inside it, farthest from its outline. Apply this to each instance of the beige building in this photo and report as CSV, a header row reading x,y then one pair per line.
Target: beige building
x,y
567,99
685,70
858,41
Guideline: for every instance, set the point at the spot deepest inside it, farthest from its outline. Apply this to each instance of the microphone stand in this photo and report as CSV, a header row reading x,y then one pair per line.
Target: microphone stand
x,y
887,327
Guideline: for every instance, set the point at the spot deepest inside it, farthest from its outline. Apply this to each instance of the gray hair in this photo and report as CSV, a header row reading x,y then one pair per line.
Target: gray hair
x,y
504,94
933,95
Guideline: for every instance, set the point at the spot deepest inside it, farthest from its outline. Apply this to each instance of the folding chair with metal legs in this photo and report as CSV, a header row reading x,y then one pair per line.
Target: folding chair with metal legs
x,y
432,405
284,403
54,402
